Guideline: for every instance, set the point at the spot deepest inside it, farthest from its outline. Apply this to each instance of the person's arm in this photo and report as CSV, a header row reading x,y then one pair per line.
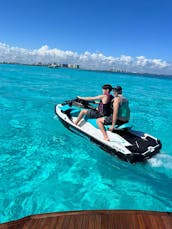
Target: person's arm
x,y
99,97
115,112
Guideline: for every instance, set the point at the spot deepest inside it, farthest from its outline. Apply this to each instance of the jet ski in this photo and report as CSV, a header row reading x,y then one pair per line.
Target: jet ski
x,y
128,144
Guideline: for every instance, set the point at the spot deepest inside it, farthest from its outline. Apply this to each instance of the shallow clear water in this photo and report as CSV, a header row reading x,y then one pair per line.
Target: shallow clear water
x,y
45,168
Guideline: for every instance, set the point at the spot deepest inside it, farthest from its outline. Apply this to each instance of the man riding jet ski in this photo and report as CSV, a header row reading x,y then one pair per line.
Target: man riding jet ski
x,y
104,108
123,141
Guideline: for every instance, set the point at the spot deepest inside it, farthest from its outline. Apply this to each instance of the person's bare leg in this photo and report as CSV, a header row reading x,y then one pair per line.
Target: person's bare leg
x,y
100,122
81,114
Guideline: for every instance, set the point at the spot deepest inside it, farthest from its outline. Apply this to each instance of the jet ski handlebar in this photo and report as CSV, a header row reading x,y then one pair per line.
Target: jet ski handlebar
x,y
80,103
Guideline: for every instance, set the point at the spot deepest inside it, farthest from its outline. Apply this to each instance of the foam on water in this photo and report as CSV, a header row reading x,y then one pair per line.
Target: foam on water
x,y
161,160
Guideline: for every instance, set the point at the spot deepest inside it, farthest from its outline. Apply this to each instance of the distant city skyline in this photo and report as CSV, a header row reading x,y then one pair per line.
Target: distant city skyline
x,y
86,60
131,35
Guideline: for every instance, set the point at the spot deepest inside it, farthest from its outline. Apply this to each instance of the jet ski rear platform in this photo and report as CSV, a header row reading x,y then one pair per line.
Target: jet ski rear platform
x,y
128,144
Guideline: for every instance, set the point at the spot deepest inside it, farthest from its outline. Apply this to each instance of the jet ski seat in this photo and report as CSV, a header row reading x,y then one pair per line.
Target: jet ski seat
x,y
125,126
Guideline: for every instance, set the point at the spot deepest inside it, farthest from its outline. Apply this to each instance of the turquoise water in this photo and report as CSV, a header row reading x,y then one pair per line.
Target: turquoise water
x,y
46,168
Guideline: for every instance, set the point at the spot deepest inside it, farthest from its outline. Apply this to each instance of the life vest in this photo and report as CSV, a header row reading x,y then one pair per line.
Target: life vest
x,y
123,110
105,109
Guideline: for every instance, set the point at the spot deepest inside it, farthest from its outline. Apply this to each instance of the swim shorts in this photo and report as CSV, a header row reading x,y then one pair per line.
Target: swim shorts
x,y
93,114
108,121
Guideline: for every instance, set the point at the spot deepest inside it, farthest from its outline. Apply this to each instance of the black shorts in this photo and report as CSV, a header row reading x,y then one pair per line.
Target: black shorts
x,y
108,121
93,114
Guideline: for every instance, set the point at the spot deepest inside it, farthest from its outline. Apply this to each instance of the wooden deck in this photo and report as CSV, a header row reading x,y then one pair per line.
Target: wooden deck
x,y
94,220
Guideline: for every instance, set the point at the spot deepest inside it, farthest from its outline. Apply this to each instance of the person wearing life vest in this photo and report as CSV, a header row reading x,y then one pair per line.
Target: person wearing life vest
x,y
120,115
104,107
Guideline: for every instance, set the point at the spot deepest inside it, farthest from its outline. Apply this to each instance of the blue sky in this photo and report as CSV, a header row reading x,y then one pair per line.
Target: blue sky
x,y
112,27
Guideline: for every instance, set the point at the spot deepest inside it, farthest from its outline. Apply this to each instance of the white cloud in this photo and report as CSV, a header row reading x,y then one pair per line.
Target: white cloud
x,y
143,61
86,60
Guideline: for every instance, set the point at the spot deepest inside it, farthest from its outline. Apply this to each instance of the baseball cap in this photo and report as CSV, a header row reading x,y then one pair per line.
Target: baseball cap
x,y
117,88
